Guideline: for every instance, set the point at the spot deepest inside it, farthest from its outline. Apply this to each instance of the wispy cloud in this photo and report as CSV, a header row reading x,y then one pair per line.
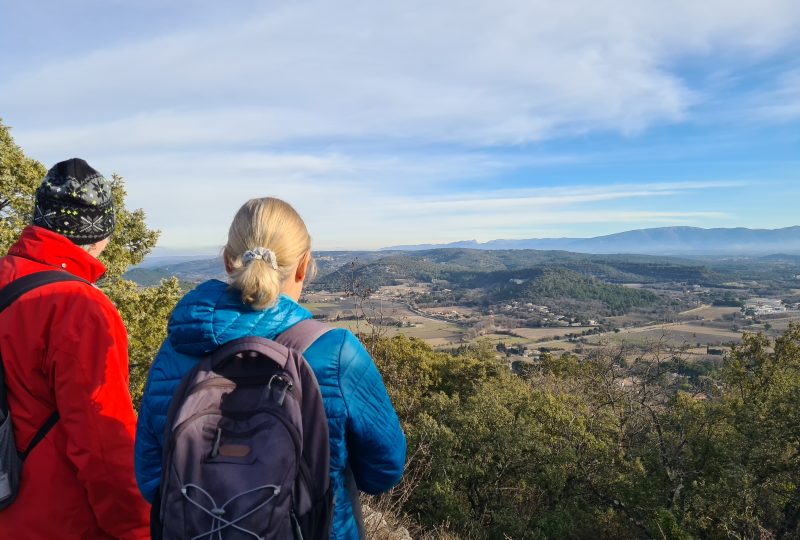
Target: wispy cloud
x,y
391,122
521,222
471,72
782,102
535,199
342,214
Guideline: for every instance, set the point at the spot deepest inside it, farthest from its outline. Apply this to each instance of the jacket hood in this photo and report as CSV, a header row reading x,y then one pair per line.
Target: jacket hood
x,y
48,247
212,314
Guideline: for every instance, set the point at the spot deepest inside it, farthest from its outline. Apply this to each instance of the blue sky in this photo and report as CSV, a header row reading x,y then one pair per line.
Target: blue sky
x,y
410,121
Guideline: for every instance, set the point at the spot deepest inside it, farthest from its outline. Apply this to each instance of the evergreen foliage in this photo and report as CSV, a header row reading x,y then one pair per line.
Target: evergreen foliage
x,y
19,178
600,448
547,284
144,310
556,285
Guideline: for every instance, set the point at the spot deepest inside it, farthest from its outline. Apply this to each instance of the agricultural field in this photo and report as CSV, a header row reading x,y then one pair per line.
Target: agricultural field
x,y
673,334
496,338
710,313
318,306
435,333
461,310
527,299
402,290
780,325
695,330
391,316
539,334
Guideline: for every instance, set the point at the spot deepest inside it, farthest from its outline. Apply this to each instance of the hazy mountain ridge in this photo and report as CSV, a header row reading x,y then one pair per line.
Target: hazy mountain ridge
x,y
200,267
375,269
663,241
195,271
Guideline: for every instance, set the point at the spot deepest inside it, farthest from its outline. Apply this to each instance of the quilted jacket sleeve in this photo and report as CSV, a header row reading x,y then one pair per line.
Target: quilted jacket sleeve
x,y
375,440
89,366
147,451
168,368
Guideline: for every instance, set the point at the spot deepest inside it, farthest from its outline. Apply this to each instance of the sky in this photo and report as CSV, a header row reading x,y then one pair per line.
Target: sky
x,y
410,121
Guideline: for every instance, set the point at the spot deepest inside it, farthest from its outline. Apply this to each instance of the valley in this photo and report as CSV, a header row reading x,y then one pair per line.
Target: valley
x,y
528,302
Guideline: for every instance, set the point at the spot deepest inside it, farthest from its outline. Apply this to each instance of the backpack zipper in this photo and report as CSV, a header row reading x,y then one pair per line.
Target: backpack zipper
x,y
293,431
233,384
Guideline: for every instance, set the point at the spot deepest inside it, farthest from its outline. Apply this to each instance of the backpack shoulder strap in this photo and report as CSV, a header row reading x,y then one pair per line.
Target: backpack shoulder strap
x,y
303,334
20,286
8,295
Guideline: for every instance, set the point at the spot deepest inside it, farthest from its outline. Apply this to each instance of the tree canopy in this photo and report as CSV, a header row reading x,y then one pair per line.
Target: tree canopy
x,y
144,310
600,447
19,178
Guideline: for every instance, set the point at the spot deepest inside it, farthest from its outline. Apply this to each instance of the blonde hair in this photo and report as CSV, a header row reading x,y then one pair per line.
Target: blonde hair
x,y
272,224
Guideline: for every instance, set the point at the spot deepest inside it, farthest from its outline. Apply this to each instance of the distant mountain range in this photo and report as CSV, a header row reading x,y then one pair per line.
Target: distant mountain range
x,y
658,241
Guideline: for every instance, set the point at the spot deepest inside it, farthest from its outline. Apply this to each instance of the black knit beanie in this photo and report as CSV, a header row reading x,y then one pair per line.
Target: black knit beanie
x,y
75,201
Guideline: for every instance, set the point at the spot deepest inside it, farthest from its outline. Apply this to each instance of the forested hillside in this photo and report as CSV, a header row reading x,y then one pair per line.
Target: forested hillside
x,y
461,265
556,286
592,287
599,448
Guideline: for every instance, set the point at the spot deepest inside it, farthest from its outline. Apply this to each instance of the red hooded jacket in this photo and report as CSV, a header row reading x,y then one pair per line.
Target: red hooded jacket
x,y
64,348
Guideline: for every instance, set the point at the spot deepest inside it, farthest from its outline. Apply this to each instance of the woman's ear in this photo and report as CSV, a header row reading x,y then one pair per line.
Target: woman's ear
x,y
228,266
302,267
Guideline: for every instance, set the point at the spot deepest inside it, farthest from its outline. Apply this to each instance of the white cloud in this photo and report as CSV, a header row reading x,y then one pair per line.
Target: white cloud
x,y
344,106
553,197
362,214
471,72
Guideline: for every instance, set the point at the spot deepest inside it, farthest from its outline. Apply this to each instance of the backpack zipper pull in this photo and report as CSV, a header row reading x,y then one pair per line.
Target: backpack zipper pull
x,y
286,387
215,448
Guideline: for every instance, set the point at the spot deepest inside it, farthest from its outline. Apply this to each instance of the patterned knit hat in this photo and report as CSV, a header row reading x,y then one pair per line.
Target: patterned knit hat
x,y
75,201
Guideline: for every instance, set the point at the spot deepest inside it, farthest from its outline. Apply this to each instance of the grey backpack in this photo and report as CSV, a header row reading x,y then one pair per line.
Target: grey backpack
x,y
246,452
10,460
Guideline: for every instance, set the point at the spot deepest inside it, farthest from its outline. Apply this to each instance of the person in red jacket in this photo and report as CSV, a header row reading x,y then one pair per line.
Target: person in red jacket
x,y
65,349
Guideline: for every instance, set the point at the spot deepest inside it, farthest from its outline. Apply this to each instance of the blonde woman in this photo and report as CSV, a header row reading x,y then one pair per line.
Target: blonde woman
x,y
268,257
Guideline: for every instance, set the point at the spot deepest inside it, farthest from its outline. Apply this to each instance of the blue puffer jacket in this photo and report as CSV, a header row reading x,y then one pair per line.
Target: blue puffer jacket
x,y
364,429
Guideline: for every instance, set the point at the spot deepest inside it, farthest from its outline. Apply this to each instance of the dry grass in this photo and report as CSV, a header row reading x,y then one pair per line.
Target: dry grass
x,y
710,313
440,309
382,522
535,334
674,334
